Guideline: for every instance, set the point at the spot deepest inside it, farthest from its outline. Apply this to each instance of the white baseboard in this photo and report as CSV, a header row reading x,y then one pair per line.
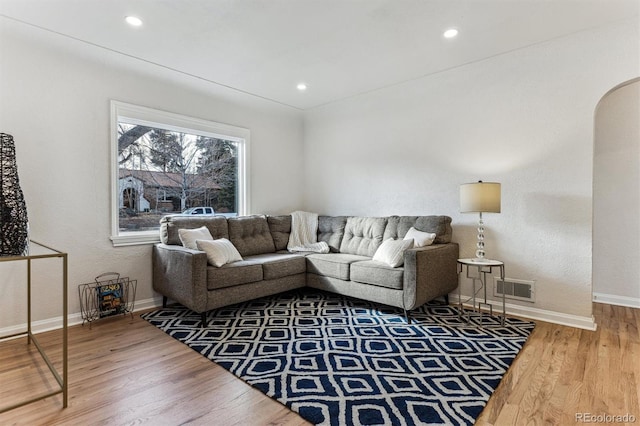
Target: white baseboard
x,y
612,299
587,323
73,319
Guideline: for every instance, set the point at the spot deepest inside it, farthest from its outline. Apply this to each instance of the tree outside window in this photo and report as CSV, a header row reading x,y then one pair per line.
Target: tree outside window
x,y
165,163
164,171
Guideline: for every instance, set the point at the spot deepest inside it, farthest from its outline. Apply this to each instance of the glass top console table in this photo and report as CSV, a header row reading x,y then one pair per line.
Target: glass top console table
x,y
40,251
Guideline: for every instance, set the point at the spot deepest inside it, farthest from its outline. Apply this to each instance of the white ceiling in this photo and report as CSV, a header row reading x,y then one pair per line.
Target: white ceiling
x,y
340,48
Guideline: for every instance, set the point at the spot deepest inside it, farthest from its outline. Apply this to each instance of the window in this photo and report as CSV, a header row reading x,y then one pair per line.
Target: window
x,y
165,163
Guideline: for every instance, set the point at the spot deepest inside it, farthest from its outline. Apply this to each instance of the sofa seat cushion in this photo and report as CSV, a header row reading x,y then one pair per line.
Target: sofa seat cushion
x,y
236,273
377,273
276,265
335,265
298,253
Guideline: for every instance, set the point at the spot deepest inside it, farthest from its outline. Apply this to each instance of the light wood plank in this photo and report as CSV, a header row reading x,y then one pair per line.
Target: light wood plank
x,y
563,371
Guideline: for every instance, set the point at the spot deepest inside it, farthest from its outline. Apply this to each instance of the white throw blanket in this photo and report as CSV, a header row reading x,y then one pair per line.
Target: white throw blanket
x,y
304,233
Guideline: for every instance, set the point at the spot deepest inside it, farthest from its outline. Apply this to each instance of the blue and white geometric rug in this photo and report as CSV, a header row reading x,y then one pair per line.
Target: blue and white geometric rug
x,y
342,361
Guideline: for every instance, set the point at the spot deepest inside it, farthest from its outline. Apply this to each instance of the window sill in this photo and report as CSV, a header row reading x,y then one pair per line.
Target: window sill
x,y
135,238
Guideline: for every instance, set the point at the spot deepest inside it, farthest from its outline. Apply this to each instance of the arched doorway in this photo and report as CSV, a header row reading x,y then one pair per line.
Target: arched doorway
x,y
616,196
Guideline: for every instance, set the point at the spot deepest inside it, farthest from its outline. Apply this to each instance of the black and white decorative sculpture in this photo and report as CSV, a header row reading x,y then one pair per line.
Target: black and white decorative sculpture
x,y
14,226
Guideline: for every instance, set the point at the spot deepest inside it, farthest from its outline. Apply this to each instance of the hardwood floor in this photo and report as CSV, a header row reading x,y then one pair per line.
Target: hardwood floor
x,y
125,372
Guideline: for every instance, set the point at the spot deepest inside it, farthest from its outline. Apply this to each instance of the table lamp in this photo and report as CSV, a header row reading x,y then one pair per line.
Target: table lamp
x,y
480,197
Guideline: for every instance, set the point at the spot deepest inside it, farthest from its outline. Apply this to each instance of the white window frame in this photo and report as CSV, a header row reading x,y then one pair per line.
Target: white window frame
x,y
135,114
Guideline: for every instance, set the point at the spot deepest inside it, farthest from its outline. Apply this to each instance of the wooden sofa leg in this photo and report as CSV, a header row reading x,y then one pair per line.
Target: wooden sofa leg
x,y
407,317
164,301
203,318
446,299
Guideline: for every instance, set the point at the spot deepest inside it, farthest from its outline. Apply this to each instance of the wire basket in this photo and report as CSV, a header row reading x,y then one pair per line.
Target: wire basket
x,y
107,296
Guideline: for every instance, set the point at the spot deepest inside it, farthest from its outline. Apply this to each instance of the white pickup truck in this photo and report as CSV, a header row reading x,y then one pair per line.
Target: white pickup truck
x,y
206,211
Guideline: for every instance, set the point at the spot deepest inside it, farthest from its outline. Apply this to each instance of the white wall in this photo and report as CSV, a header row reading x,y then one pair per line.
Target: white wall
x,y
54,100
524,119
616,197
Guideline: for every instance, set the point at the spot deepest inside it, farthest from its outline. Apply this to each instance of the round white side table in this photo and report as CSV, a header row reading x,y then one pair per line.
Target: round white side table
x,y
483,267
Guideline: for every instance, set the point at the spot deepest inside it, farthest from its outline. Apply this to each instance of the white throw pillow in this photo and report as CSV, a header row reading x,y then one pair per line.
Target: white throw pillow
x,y
188,237
392,251
219,252
420,239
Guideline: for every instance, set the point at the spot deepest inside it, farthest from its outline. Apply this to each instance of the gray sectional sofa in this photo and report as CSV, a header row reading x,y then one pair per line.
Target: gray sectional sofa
x,y
183,275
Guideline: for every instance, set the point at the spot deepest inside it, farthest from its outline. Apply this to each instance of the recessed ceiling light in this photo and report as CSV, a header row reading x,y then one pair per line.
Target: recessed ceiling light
x,y
450,33
302,87
133,21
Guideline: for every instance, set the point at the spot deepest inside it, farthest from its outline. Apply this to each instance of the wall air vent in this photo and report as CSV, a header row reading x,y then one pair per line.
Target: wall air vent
x,y
514,289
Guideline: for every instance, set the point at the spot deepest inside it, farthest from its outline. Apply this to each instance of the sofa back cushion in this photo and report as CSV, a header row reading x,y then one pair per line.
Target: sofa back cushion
x,y
397,227
363,235
331,231
251,235
280,227
169,225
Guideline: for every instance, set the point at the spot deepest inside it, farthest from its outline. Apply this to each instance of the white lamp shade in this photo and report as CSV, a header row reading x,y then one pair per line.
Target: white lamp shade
x,y
481,197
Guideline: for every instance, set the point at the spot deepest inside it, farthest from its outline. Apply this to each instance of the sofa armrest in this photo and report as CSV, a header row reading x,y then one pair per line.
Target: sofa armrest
x,y
429,272
180,274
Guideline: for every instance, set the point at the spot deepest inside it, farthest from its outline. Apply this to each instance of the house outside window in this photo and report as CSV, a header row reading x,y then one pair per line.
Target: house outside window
x,y
165,163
